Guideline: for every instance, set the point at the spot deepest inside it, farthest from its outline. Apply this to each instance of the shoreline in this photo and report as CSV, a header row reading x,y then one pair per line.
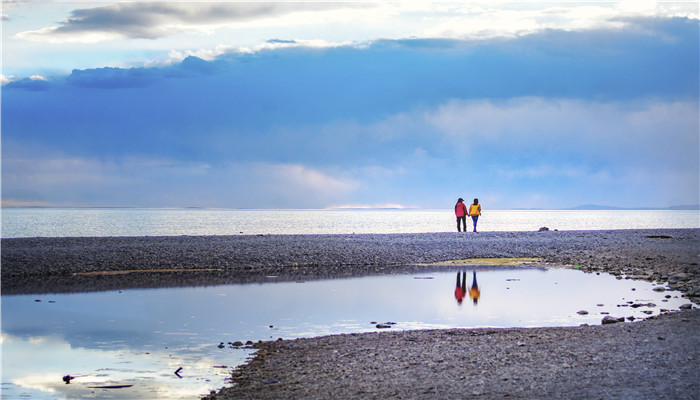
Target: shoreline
x,y
653,358
56,265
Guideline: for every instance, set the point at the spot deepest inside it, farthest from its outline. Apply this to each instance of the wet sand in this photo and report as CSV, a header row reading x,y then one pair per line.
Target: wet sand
x,y
654,358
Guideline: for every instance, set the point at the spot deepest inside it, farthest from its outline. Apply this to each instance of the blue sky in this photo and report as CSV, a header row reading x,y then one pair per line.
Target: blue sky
x,y
315,105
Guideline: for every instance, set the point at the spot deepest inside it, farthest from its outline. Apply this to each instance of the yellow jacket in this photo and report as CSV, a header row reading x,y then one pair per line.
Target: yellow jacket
x,y
474,210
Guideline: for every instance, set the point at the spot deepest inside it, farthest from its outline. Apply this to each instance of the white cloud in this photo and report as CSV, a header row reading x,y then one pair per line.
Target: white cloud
x,y
608,130
151,20
73,181
498,19
4,79
297,180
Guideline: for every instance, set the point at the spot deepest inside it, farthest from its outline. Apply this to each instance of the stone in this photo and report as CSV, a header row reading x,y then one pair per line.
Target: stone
x,y
582,312
610,320
659,289
686,306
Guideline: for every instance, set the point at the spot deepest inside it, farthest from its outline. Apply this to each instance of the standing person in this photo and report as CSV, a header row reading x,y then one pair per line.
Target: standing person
x,y
461,213
474,212
461,289
474,292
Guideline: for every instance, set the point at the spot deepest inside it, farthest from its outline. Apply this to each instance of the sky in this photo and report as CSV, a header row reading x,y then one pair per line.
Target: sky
x,y
340,104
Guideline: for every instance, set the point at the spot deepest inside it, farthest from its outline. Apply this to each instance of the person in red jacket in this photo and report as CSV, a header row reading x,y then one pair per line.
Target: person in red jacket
x,y
461,213
474,212
461,290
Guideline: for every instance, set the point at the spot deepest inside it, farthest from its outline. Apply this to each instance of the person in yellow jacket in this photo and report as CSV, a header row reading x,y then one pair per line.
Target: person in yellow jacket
x,y
474,291
475,211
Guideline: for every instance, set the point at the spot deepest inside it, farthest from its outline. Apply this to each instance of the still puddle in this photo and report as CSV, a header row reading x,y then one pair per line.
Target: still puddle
x,y
178,343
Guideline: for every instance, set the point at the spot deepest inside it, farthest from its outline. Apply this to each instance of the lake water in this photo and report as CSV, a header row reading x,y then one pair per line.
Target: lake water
x,y
52,222
142,337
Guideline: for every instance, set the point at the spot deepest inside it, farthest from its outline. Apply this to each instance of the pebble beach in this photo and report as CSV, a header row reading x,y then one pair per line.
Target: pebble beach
x,y
654,358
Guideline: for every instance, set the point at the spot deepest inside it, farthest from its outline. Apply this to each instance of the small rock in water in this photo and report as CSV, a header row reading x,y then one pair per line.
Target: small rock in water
x,y
659,289
686,306
543,229
582,312
611,320
383,326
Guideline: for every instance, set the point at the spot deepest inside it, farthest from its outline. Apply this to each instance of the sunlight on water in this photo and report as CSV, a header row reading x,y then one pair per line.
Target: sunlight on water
x,y
142,337
37,222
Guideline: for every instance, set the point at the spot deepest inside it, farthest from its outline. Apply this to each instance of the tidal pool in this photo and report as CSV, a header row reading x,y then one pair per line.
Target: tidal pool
x,y
177,343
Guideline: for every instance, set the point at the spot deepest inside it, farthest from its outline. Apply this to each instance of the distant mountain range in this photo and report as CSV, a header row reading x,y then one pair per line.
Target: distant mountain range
x,y
596,207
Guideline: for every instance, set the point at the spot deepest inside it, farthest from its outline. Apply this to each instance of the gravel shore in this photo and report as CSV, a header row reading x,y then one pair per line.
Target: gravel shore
x,y
656,358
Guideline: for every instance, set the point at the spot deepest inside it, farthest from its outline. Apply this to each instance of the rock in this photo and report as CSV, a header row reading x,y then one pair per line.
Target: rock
x,y
659,289
543,229
686,307
611,320
383,326
582,312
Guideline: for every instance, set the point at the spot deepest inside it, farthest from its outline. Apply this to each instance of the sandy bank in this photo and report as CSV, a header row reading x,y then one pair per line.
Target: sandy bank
x,y
41,265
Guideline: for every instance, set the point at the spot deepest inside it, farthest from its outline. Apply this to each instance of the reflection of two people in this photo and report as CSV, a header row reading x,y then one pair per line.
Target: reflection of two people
x,y
461,290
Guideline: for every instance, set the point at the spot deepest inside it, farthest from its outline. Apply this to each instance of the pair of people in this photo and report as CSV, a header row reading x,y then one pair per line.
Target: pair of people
x,y
461,213
461,290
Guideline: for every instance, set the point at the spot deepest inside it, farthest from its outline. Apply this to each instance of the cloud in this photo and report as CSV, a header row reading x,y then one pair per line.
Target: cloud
x,y
552,115
567,127
151,20
489,20
61,180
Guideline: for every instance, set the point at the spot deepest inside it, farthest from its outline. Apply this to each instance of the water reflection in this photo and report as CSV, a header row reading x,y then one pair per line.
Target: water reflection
x,y
474,292
461,289
142,337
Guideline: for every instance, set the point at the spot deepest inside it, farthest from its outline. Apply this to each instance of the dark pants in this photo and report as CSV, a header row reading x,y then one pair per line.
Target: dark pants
x,y
464,223
474,218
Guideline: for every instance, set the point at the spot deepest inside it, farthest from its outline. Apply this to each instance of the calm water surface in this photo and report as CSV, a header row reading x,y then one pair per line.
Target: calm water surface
x,y
45,222
141,337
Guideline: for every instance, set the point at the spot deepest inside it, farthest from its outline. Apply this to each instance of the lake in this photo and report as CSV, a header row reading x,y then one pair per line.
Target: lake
x,y
140,338
70,222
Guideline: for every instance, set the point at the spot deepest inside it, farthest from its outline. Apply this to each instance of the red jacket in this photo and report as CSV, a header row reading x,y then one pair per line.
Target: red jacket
x,y
460,209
